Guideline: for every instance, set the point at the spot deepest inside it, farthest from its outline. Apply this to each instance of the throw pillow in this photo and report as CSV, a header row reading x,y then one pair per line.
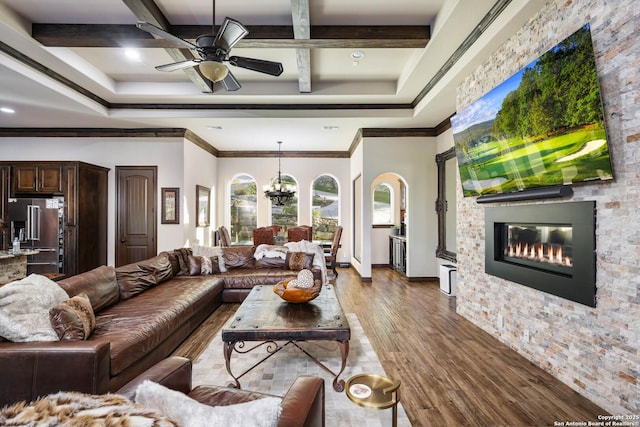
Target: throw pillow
x,y
173,259
189,412
137,277
183,260
203,265
158,266
210,251
266,262
24,309
298,261
238,257
73,319
100,285
304,280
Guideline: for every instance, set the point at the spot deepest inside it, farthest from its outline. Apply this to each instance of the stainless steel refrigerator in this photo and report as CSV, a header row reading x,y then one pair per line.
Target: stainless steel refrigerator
x,y
38,224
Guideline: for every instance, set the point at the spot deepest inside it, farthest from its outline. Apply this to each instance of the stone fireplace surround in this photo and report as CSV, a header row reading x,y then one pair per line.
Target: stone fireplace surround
x,y
577,282
596,351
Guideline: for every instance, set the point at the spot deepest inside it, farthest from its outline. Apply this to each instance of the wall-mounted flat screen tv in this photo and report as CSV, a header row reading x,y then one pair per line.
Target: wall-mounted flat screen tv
x,y
544,126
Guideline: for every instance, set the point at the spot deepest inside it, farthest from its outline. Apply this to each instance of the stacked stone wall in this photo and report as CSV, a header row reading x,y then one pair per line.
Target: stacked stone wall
x,y
593,350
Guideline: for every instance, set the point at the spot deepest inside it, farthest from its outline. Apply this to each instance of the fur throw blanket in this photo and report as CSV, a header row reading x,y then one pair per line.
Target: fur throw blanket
x,y
270,251
81,410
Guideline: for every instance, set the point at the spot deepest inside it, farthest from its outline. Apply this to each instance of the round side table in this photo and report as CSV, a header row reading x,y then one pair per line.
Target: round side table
x,y
374,391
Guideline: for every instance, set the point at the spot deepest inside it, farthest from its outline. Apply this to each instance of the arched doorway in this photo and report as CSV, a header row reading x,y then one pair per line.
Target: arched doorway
x,y
389,217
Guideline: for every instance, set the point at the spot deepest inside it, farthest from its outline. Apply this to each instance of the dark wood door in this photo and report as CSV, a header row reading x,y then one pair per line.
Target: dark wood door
x,y
135,213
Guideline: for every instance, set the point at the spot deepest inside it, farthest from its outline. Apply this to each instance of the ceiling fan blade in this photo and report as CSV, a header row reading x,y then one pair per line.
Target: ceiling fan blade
x,y
178,65
230,83
152,29
230,33
260,65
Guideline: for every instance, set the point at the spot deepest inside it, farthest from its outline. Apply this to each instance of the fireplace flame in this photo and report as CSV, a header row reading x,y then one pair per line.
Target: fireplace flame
x,y
541,253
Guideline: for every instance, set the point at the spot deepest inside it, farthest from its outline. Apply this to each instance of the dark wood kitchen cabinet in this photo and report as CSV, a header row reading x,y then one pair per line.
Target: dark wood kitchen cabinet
x,y
84,188
36,178
85,217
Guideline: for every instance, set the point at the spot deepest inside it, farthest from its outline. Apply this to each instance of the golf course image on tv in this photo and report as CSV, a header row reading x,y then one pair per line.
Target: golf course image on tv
x,y
544,126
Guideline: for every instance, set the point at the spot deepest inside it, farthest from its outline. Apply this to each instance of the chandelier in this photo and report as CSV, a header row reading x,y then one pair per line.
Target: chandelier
x,y
278,192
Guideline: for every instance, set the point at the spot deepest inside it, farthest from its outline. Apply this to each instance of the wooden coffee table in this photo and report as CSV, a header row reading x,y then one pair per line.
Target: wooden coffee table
x,y
265,318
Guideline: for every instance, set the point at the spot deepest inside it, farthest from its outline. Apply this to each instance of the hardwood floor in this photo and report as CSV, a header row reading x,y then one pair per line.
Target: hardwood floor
x,y
452,372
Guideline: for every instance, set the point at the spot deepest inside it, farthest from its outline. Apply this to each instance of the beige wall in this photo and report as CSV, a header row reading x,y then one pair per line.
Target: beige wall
x,y
165,153
184,165
305,171
412,158
200,168
596,351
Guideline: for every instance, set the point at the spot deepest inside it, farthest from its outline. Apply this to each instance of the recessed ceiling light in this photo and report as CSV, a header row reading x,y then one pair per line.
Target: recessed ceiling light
x,y
7,110
357,54
132,54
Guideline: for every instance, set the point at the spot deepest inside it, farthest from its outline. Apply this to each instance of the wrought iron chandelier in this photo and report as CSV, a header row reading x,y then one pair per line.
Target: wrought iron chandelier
x,y
278,192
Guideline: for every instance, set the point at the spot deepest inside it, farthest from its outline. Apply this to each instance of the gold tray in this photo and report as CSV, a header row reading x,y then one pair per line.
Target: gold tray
x,y
372,391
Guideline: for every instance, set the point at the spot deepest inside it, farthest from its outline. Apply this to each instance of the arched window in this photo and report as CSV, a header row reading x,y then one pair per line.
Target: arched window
x,y
382,208
325,207
285,216
244,212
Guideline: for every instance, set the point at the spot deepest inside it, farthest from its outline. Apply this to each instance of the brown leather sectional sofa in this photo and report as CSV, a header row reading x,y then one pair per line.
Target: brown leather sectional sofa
x,y
244,272
143,312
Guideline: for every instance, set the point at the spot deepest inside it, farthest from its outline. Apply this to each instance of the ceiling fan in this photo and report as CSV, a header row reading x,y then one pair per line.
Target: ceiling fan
x,y
213,51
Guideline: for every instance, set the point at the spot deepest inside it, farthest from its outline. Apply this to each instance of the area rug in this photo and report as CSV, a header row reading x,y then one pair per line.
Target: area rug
x,y
276,374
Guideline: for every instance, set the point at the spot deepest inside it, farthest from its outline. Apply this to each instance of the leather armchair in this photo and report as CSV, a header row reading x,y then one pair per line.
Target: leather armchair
x,y
302,405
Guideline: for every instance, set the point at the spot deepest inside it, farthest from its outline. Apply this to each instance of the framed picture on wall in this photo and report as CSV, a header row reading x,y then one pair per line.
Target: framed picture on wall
x,y
203,198
170,209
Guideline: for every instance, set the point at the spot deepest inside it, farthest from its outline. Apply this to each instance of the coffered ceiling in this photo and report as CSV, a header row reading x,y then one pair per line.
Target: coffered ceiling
x,y
65,64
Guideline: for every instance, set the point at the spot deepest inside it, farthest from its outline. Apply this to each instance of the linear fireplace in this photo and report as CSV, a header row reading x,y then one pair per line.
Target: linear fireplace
x,y
549,247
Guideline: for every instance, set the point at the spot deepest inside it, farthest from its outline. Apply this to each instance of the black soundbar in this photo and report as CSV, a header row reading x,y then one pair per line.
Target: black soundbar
x,y
530,194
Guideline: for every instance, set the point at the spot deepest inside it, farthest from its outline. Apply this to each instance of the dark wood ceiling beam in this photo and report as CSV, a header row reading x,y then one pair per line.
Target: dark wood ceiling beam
x,y
147,10
302,31
261,36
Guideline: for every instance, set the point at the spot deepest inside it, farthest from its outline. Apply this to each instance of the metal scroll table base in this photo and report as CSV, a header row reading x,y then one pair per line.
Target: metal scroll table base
x,y
272,348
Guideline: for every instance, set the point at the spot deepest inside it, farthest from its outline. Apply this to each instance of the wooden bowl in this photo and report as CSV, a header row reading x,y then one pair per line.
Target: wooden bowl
x,y
297,295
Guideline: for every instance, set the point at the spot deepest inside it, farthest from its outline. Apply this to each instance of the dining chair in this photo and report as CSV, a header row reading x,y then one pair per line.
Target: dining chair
x,y
331,258
223,235
263,235
296,234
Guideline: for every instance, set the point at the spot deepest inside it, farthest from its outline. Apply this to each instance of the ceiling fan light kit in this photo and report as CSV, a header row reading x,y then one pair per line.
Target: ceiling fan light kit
x,y
213,50
214,71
